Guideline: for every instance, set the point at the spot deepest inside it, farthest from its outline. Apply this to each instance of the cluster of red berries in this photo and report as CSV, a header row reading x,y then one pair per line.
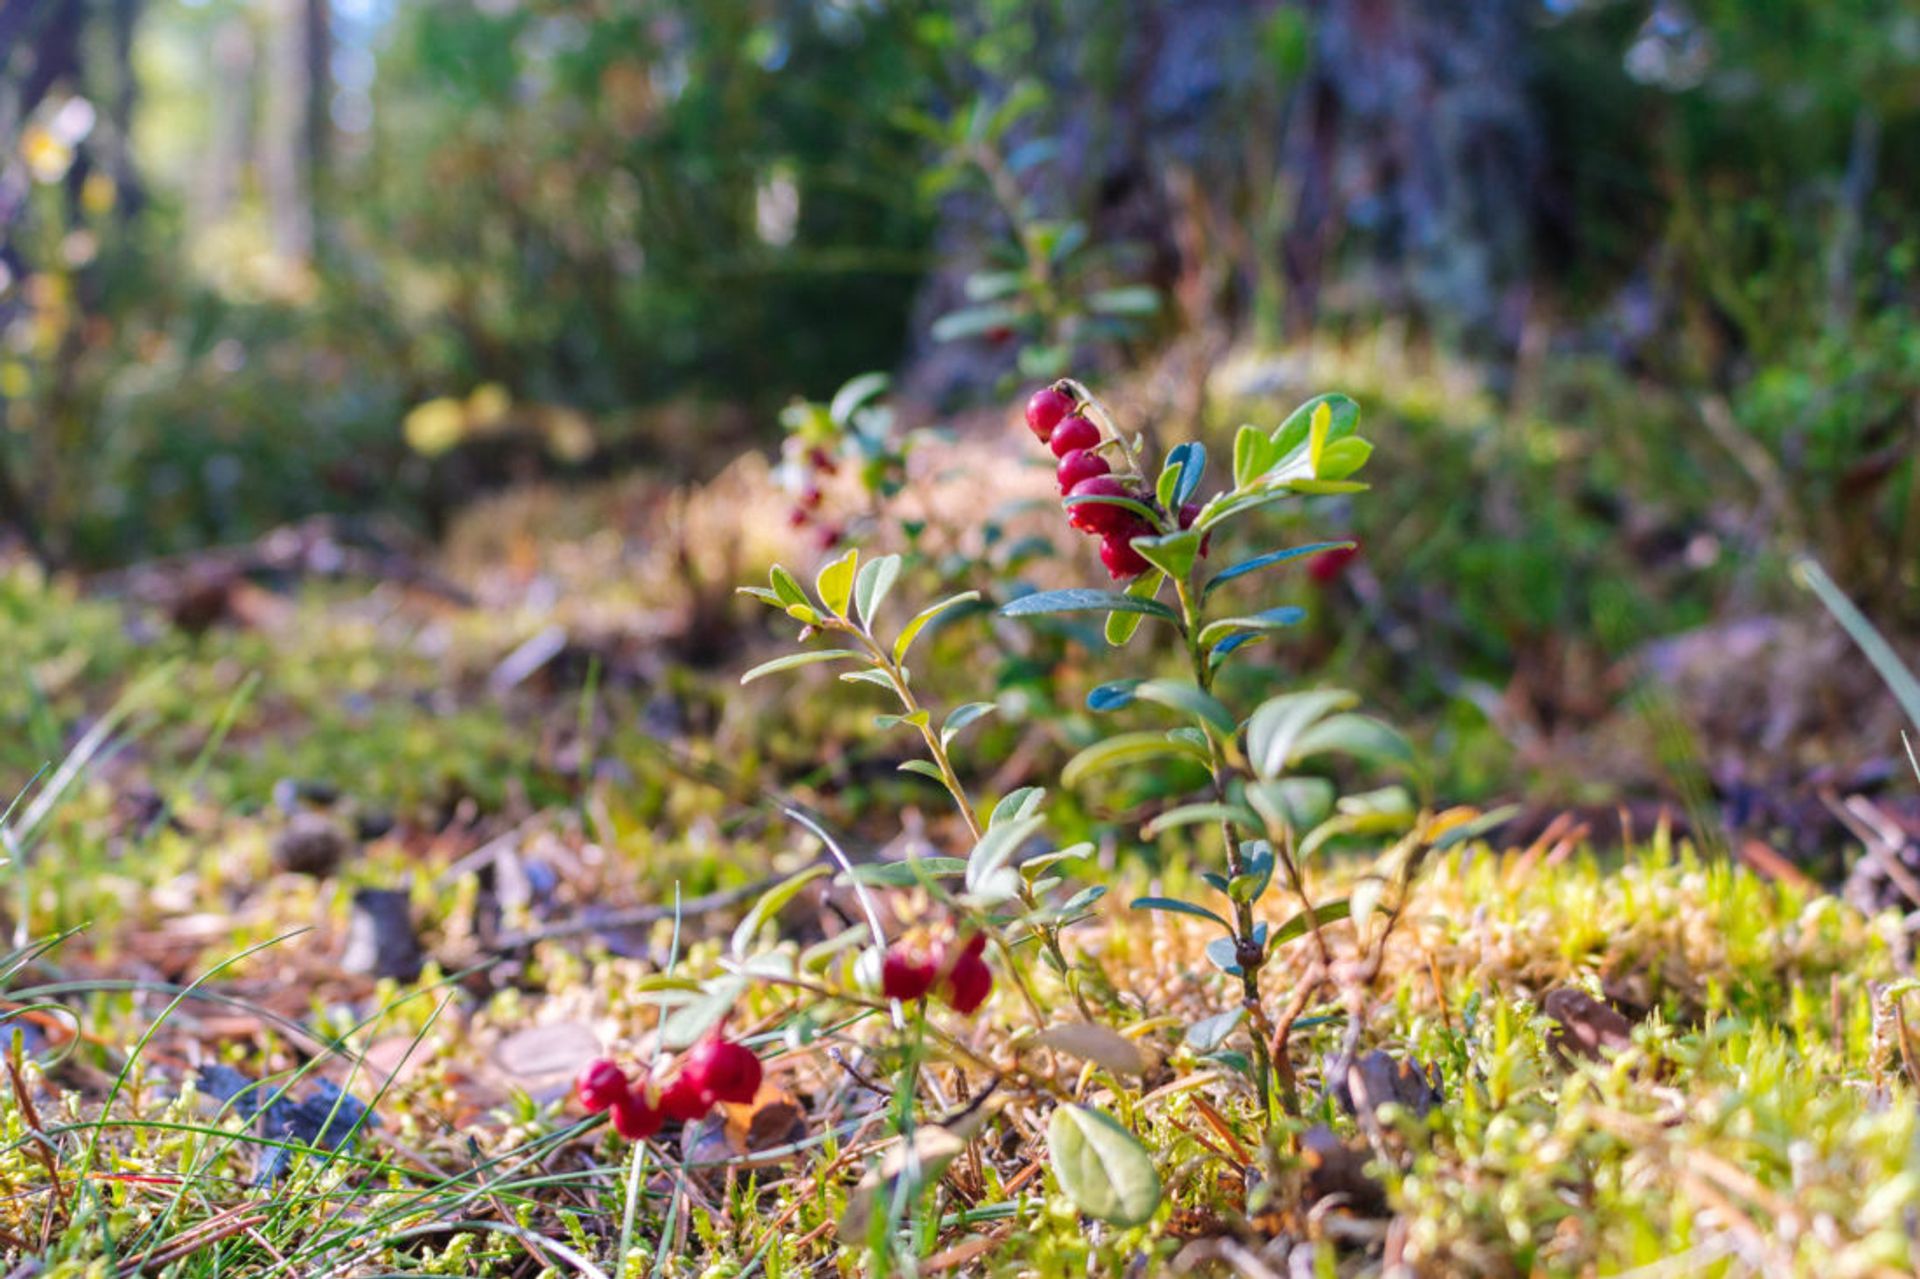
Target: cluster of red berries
x,y
1053,415
716,1070
817,466
956,973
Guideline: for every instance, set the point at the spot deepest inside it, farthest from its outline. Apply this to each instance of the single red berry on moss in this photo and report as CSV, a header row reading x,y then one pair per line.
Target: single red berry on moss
x,y
1045,409
635,1118
968,983
1122,561
723,1070
906,974
683,1099
1073,433
1102,517
1080,465
599,1084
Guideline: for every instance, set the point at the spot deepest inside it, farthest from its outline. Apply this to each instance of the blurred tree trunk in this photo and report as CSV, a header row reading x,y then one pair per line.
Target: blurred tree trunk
x,y
285,153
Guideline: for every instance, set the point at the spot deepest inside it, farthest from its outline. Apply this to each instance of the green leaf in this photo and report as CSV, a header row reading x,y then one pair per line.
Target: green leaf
x,y
1034,865
1197,814
760,593
1082,600
786,587
1273,619
870,588
919,719
1324,488
1191,459
770,904
1291,434
1126,748
905,874
1272,730
1121,626
960,717
1145,512
1317,427
1253,455
1376,823
835,583
1113,695
1168,484
1138,299
806,657
1016,804
1360,736
1172,553
972,321
1342,458
989,865
1175,906
1209,1033
925,769
853,393
1259,562
1324,913
1879,654
692,1020
877,678
1474,829
1300,803
1102,1167
919,621
991,286
1182,695
1256,874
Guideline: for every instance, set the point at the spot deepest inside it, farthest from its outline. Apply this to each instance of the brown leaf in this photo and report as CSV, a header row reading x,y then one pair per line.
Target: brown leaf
x,y
773,1118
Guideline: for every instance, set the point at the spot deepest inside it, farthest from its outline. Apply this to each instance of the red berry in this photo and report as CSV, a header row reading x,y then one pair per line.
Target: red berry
x,y
1045,410
974,946
684,1100
1080,465
797,517
968,984
635,1118
1074,433
1122,561
811,497
998,334
822,461
723,1070
906,975
1325,567
1102,517
1188,514
828,537
599,1084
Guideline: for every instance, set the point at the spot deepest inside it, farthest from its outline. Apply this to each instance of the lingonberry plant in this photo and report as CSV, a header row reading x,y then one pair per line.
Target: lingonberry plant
x,y
1008,898
854,434
1272,814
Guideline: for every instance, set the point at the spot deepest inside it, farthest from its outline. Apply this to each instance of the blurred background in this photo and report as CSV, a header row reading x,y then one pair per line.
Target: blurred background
x,y
1626,290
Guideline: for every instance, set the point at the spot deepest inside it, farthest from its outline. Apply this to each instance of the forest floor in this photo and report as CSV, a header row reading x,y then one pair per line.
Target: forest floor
x,y
407,841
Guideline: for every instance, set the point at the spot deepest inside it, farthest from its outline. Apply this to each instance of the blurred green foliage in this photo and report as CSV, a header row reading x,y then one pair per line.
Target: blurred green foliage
x,y
591,218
